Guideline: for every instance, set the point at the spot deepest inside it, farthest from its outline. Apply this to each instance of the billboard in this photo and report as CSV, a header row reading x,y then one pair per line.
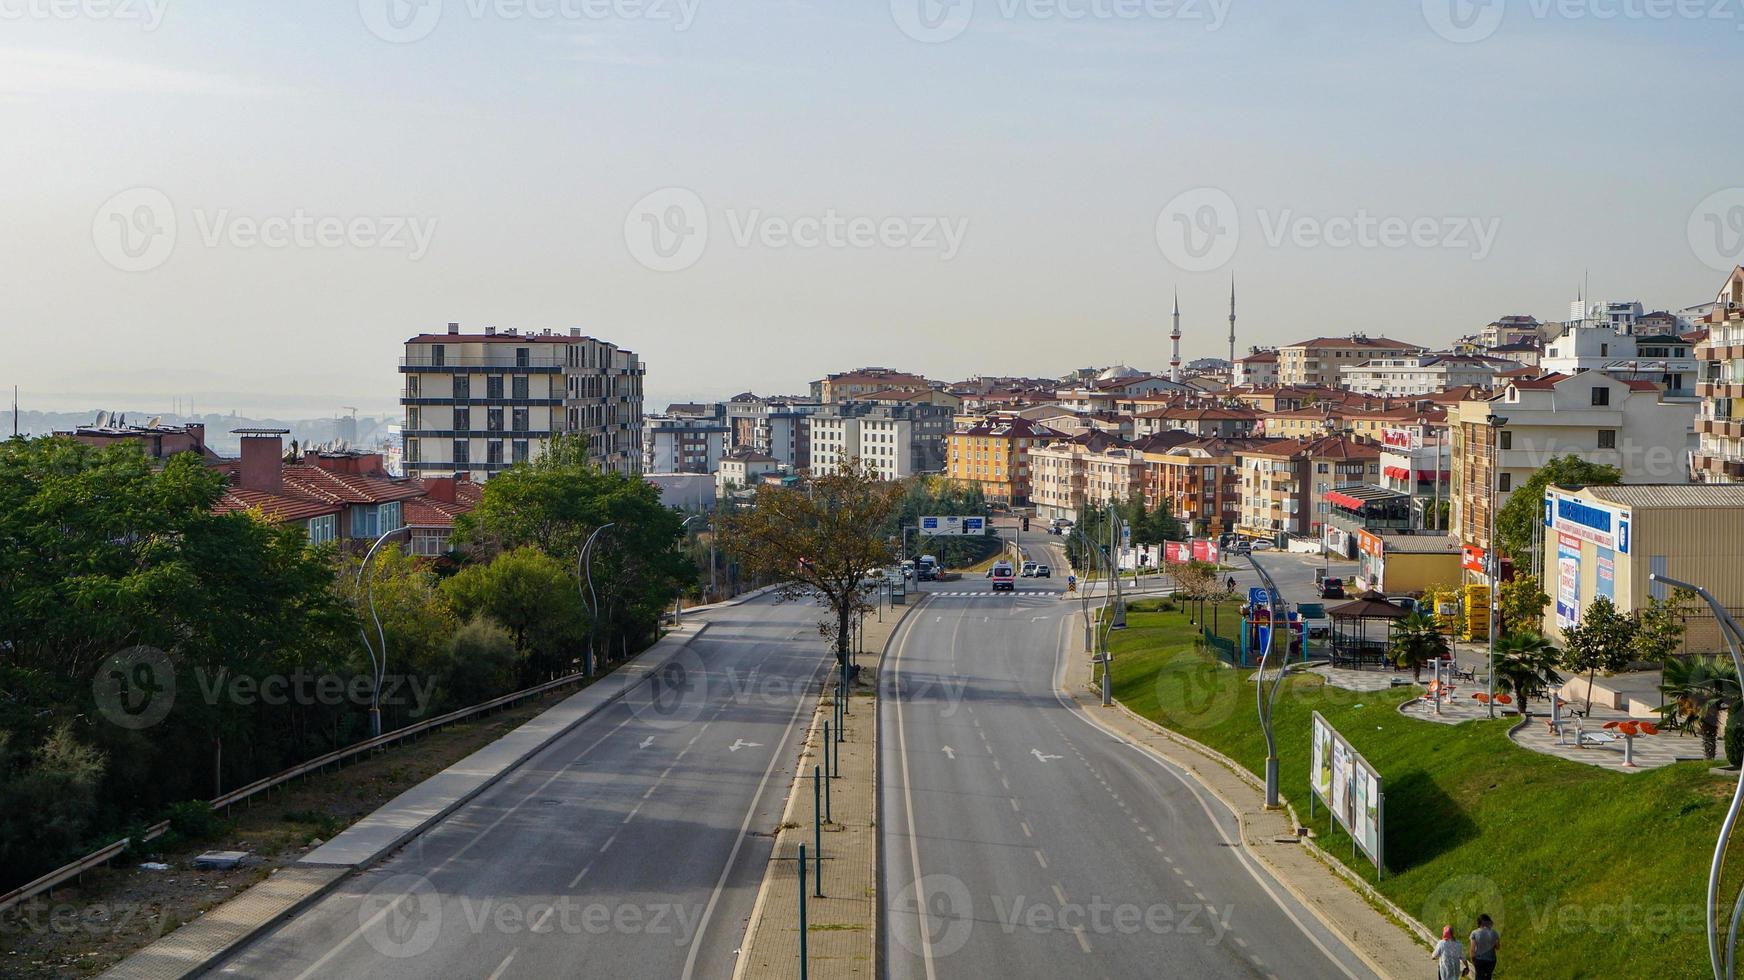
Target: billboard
x,y
1606,585
1175,552
1351,788
953,526
1205,551
1568,569
1607,527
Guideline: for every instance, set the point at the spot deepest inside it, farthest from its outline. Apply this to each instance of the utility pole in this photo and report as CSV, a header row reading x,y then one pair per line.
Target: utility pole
x,y
1497,422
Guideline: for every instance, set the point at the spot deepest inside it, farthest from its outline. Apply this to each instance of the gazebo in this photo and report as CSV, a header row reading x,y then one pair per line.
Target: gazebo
x,y
1350,640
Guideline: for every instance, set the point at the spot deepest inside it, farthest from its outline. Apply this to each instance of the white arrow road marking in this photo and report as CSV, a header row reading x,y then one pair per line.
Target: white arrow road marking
x,y
646,742
950,753
1042,758
742,744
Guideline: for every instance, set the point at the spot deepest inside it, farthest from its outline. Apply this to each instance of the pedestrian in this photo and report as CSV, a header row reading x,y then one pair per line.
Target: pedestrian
x,y
1485,941
1449,956
1231,584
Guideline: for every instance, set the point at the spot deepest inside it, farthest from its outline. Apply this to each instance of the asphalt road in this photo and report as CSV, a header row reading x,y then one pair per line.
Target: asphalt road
x,y
631,847
1020,840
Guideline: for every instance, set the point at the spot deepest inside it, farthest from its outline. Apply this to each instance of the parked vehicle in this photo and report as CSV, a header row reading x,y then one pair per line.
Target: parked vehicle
x,y
1029,569
1242,547
1330,588
1044,571
1262,546
1004,577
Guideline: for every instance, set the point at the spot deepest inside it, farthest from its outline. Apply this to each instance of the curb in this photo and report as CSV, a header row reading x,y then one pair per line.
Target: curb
x,y
346,871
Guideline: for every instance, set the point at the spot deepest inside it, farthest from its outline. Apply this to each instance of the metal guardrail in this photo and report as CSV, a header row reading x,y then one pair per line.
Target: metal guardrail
x,y
110,852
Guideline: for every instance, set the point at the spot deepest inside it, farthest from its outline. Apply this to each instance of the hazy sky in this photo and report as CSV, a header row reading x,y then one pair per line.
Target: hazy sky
x,y
255,204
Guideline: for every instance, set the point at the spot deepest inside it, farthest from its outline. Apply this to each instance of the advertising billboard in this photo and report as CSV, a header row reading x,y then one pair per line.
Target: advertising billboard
x,y
1344,781
1607,527
1605,560
1176,552
1568,568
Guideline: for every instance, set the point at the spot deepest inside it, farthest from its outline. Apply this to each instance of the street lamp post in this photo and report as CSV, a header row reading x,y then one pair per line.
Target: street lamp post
x,y
1497,422
678,600
378,663
585,570
1733,634
1266,702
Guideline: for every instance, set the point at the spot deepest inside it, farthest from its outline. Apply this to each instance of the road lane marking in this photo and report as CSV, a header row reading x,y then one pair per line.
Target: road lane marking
x,y
1026,831
503,967
920,905
1082,942
607,845
1041,859
580,875
1059,894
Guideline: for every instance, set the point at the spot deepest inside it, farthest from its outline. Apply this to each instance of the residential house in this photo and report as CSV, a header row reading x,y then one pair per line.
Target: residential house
x,y
994,454
1321,360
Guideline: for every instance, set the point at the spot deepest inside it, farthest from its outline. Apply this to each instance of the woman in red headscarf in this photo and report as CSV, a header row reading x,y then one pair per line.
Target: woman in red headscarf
x,y
1449,956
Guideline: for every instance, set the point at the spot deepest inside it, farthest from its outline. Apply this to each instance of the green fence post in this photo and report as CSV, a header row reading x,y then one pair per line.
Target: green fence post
x,y
802,928
817,825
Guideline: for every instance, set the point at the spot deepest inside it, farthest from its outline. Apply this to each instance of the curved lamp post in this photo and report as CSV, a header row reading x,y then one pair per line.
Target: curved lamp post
x,y
584,562
1730,630
378,661
1266,702
678,600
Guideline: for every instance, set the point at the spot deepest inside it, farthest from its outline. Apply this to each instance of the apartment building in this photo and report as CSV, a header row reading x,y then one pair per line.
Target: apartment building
x,y
1059,472
1230,422
477,404
850,385
685,439
1422,374
896,440
1719,456
1284,483
743,467
1510,434
775,426
1321,360
1259,369
156,440
1200,482
1515,329
994,454
1668,360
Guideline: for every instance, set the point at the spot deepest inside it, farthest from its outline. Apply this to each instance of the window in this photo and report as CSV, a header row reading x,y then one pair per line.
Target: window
x,y
493,452
1601,396
462,387
411,450
493,386
1504,482
523,357
462,453
520,386
412,419
1507,439
462,419
411,386
323,529
494,419
439,356
1607,438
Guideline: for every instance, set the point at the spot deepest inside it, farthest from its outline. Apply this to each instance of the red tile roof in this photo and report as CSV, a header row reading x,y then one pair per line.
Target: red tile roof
x,y
275,506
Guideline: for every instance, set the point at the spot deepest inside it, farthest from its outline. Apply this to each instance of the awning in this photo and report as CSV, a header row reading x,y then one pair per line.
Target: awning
x,y
1343,499
1396,472
1356,496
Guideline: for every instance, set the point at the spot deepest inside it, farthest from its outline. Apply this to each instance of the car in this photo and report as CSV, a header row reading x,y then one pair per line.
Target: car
x,y
1029,568
1242,547
1044,571
1004,577
1262,546
1330,588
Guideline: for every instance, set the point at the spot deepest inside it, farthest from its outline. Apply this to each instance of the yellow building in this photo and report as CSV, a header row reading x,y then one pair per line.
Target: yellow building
x,y
994,454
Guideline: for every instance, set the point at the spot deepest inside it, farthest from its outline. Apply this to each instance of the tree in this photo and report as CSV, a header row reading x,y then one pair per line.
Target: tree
x,y
1602,640
1697,689
1522,601
1525,507
1195,581
1661,626
480,663
536,598
825,539
416,618
1415,641
1526,666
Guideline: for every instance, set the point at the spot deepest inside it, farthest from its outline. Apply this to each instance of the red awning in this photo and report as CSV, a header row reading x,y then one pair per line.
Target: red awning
x,y
1343,500
1396,472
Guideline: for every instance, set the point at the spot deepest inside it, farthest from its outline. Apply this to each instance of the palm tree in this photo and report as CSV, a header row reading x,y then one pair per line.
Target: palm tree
x,y
1697,689
1526,666
1417,640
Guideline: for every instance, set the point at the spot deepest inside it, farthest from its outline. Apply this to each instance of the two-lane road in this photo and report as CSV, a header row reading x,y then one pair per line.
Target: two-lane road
x,y
633,846
1021,840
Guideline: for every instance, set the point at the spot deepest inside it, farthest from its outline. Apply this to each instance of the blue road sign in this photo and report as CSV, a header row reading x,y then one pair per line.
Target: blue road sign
x,y
1258,597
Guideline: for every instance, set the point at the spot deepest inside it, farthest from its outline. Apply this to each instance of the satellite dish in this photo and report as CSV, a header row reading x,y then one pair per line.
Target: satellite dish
x,y
156,420
102,420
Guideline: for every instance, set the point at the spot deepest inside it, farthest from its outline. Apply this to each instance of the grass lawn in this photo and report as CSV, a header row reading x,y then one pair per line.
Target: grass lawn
x,y
1588,873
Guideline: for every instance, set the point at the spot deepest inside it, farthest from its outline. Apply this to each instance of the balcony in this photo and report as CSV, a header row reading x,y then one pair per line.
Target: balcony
x,y
1724,428
547,364
407,397
1724,467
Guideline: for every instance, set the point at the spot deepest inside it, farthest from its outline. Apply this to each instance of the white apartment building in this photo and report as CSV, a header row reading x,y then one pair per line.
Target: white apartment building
x,y
1669,361
1626,424
1422,374
680,441
773,426
477,404
1259,369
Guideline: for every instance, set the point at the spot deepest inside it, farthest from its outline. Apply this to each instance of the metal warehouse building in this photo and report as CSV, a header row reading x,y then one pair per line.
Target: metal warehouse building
x,y
1605,541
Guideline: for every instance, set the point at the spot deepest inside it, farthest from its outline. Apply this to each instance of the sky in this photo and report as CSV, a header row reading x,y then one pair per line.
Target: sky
x,y
252,206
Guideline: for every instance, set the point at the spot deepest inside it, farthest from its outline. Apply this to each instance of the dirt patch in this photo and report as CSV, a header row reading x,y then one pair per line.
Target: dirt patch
x,y
86,927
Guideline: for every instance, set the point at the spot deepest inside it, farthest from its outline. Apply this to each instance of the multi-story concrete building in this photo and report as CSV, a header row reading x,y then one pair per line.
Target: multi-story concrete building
x,y
1669,361
1719,456
1284,483
775,426
994,454
1200,482
1059,472
476,404
849,385
1259,369
685,439
1509,330
896,440
1422,374
1498,442
1321,360
743,467
1232,422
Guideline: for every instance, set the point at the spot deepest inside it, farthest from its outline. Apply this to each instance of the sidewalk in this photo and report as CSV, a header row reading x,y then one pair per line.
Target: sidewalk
x,y
1312,877
842,927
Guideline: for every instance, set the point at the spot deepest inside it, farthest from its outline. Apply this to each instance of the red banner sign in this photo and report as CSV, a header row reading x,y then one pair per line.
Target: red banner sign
x,y
1175,553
